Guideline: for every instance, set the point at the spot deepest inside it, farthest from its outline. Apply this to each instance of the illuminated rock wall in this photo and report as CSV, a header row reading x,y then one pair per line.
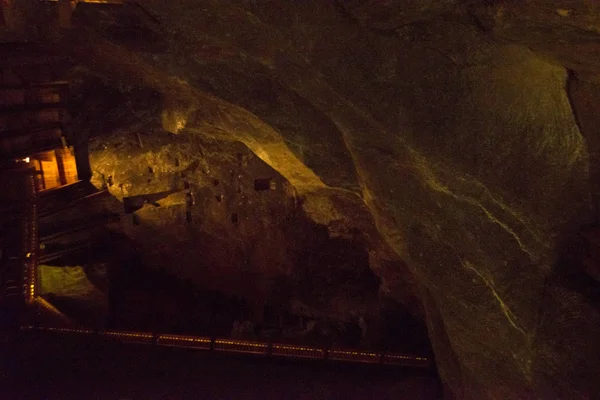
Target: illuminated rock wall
x,y
429,133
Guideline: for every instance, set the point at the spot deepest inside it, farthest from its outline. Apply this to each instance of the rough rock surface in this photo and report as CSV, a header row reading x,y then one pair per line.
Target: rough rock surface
x,y
461,133
246,233
75,290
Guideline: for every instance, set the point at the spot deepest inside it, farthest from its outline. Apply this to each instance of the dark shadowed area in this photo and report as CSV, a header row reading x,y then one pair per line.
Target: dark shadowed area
x,y
418,177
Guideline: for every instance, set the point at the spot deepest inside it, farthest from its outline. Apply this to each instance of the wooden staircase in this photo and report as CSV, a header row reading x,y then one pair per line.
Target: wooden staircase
x,y
71,216
75,219
18,244
33,102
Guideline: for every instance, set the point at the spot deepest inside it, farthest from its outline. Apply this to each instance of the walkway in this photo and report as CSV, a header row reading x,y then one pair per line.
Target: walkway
x,y
245,347
62,367
22,269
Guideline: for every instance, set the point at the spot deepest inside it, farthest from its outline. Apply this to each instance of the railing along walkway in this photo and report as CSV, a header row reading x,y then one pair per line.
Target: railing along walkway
x,y
219,345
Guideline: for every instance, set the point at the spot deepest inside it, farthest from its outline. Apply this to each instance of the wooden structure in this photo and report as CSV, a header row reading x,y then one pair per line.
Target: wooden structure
x,y
54,168
50,210
18,242
33,115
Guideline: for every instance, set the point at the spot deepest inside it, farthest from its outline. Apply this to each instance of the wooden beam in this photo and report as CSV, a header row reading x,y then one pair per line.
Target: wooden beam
x,y
31,131
92,1
57,84
44,258
49,211
79,226
29,151
23,108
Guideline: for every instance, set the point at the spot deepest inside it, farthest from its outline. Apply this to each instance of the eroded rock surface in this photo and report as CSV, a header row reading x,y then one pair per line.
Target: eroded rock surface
x,y
461,133
245,234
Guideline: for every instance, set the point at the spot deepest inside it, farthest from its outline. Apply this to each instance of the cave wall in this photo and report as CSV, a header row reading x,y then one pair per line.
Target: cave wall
x,y
473,155
585,97
476,189
254,242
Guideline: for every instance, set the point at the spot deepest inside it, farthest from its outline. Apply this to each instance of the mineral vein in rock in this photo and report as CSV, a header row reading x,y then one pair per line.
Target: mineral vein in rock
x,y
434,184
505,309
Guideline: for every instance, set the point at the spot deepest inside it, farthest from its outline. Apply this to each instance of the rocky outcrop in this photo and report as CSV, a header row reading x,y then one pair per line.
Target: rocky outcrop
x,y
451,133
79,292
244,232
394,14
567,32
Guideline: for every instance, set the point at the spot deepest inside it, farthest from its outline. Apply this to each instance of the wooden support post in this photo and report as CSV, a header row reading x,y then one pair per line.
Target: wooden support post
x,y
61,167
65,9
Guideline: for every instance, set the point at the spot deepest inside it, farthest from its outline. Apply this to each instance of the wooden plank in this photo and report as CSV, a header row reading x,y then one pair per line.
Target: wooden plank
x,y
31,144
47,210
32,131
12,96
67,165
51,173
29,151
29,60
94,1
50,233
54,84
73,191
44,258
25,108
32,120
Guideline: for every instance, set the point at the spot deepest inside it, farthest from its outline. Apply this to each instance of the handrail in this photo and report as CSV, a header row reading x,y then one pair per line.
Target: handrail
x,y
32,245
52,211
235,346
26,252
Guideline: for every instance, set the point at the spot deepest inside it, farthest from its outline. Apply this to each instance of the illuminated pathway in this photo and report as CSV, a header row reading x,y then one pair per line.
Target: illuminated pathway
x,y
246,347
192,342
30,239
30,243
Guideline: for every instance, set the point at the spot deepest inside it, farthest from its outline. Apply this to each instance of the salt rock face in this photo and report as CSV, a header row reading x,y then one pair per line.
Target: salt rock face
x,y
472,157
387,15
566,31
244,234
